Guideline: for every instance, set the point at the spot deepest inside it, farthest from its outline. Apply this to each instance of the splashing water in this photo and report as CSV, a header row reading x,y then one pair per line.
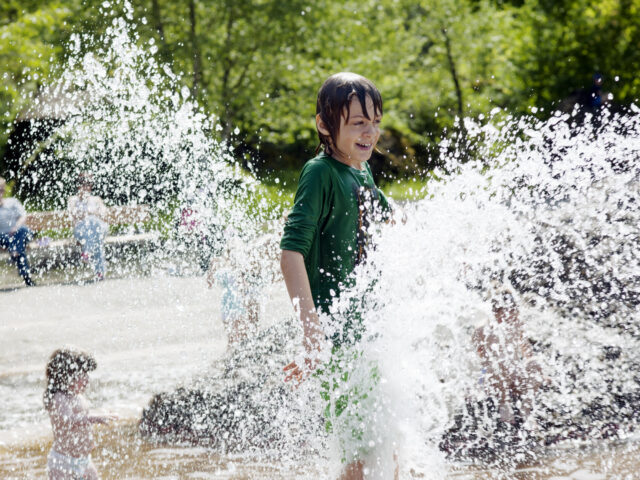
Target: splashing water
x,y
552,217
118,114
130,123
549,213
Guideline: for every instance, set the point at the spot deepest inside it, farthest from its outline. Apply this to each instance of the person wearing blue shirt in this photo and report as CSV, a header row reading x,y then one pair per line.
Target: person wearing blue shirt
x,y
14,234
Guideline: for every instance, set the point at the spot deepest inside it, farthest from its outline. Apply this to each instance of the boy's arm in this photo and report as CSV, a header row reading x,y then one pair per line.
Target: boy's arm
x,y
297,281
102,419
391,210
310,206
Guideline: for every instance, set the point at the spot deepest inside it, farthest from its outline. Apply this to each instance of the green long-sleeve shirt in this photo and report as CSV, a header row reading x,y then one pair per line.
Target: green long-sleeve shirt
x,y
329,223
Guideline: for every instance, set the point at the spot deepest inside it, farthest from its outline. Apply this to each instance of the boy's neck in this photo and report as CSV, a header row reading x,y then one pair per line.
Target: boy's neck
x,y
349,162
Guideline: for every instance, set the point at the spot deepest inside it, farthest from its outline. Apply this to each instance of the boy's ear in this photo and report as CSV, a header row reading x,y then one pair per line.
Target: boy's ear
x,y
322,128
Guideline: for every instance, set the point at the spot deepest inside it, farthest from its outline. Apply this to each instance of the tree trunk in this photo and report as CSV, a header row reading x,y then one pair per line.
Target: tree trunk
x,y
454,74
195,49
157,21
461,142
226,89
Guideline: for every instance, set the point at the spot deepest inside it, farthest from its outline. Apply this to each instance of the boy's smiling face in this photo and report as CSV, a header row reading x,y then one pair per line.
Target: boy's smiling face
x,y
358,135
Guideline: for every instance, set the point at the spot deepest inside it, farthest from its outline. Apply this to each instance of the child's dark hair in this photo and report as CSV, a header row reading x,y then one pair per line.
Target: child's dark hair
x,y
334,97
503,301
85,179
64,365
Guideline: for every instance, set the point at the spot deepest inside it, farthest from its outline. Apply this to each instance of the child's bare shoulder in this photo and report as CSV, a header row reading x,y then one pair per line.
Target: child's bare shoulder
x,y
61,404
61,397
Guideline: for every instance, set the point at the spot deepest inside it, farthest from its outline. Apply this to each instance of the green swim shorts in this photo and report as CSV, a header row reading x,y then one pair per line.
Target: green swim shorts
x,y
349,388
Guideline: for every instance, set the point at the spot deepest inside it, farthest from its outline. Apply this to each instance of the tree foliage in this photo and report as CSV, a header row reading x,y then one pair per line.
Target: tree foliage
x,y
257,64
29,47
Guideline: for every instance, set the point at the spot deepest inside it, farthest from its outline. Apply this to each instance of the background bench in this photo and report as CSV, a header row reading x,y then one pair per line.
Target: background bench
x,y
61,219
45,253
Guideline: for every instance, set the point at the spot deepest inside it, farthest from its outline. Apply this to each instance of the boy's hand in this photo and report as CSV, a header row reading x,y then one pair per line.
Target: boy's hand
x,y
303,367
403,216
297,373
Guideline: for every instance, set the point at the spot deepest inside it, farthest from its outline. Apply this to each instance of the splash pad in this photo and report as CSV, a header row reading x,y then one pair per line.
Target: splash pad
x,y
549,213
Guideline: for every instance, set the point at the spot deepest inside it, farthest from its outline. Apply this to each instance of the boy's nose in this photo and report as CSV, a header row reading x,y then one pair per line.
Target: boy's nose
x,y
370,130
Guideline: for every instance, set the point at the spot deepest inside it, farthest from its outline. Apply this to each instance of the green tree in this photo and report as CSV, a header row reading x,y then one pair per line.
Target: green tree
x,y
563,43
257,64
29,48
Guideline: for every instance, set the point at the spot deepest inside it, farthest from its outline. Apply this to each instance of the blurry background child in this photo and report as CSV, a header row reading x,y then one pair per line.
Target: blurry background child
x,y
88,213
67,378
239,305
242,271
510,374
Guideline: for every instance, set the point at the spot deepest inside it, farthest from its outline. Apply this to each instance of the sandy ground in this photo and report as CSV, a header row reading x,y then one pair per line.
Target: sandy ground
x,y
147,335
123,455
151,335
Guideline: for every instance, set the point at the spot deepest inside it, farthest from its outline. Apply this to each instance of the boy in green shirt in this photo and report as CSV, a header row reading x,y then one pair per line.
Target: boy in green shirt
x,y
326,237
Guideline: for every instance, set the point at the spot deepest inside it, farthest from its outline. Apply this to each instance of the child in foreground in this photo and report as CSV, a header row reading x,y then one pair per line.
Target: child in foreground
x,y
325,237
67,378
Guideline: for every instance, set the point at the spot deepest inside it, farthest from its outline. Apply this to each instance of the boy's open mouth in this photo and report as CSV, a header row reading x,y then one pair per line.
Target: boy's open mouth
x,y
364,146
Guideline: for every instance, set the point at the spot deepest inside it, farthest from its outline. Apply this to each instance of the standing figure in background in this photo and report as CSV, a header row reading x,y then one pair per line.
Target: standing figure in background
x,y
510,374
67,378
198,232
14,234
88,213
593,98
239,305
589,102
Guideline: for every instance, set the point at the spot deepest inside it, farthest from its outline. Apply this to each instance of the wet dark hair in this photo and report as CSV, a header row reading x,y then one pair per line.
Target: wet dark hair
x,y
334,98
85,178
64,365
503,302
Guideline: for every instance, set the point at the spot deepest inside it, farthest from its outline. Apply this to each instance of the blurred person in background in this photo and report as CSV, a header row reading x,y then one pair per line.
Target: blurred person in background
x,y
88,213
14,234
